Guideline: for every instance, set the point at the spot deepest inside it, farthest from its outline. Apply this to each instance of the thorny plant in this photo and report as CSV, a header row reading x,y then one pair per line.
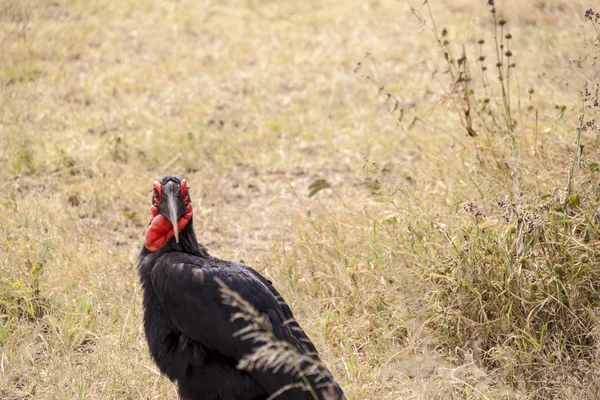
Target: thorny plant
x,y
273,354
525,297
517,284
476,105
588,71
481,96
462,76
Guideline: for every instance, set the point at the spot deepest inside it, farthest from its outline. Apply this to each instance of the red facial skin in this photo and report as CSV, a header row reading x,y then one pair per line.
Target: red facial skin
x,y
160,230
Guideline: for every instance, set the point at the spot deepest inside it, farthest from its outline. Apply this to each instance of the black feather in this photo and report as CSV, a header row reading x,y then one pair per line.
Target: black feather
x,y
190,331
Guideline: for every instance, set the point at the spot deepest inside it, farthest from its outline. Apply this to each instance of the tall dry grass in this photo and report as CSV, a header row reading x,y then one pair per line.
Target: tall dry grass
x,y
432,224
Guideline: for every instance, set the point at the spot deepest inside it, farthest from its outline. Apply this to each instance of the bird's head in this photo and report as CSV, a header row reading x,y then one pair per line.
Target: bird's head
x,y
171,211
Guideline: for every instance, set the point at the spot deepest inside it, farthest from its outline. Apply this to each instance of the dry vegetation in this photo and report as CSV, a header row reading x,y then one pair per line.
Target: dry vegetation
x,y
445,256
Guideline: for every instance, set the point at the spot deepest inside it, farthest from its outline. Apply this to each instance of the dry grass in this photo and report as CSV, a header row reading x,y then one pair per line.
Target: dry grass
x,y
254,101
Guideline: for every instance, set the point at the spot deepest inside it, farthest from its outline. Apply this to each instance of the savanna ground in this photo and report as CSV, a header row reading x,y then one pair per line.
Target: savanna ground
x,y
436,261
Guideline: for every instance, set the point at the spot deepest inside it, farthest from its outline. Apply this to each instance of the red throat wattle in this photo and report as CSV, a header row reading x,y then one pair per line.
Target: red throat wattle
x,y
160,230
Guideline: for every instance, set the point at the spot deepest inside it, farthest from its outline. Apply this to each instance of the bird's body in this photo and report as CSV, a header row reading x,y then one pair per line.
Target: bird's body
x,y
189,328
201,372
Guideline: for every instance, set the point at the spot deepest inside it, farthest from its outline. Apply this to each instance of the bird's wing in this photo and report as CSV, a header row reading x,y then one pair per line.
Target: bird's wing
x,y
189,292
294,333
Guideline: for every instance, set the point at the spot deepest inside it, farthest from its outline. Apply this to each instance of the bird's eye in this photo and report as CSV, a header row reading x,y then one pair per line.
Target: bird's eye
x,y
157,197
184,191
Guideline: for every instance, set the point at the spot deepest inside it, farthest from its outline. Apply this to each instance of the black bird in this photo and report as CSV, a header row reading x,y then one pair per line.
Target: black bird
x,y
189,327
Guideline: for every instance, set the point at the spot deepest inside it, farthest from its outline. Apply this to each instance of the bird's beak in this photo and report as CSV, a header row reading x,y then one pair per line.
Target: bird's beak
x,y
171,206
172,214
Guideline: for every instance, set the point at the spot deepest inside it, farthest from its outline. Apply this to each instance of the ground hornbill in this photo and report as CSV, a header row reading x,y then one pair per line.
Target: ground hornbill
x,y
199,325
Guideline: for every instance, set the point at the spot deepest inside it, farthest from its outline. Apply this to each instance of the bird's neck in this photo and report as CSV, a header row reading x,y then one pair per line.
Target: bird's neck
x,y
188,242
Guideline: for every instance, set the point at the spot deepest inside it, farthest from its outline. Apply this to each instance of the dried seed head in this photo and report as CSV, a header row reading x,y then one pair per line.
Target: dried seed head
x,y
502,22
508,53
513,65
481,58
531,91
480,41
508,36
498,64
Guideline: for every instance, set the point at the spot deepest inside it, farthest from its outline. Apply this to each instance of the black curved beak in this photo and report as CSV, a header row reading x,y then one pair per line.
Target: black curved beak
x,y
172,206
